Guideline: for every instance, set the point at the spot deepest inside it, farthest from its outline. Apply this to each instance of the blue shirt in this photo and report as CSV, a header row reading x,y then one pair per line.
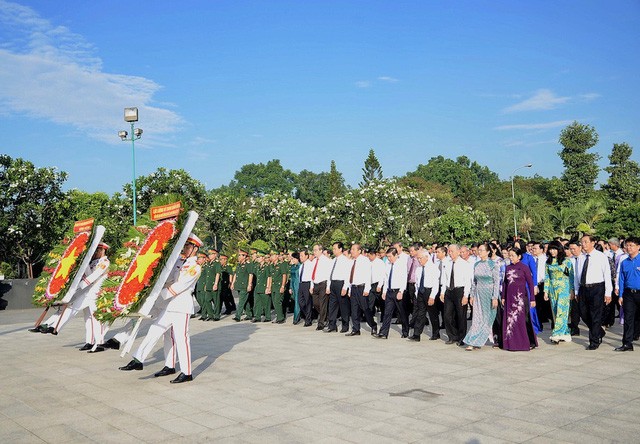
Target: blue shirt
x,y
630,273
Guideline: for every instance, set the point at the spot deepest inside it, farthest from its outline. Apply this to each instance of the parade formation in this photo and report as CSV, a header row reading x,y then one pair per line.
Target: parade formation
x,y
510,292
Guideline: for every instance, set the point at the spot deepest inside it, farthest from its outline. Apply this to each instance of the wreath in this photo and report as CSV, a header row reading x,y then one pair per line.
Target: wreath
x,y
136,268
61,268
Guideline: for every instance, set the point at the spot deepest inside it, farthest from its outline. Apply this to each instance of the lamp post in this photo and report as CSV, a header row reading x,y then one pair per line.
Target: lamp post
x,y
131,116
513,197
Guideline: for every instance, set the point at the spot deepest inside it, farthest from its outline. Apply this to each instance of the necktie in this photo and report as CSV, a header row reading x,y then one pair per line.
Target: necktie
x,y
301,271
440,276
583,276
315,267
333,269
390,275
422,279
353,271
452,278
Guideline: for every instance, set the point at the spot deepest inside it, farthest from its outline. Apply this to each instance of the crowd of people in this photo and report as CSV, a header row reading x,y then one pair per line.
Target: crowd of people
x,y
508,291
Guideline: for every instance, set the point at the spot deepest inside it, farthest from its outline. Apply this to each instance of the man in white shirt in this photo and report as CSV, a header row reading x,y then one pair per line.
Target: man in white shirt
x,y
321,268
304,293
359,286
378,274
338,289
426,278
592,284
393,288
456,287
543,308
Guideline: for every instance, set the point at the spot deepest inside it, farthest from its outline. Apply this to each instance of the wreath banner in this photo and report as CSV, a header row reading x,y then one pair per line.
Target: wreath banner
x,y
84,265
62,267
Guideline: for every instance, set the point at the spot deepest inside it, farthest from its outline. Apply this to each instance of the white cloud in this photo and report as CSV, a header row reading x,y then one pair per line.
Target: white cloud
x,y
48,72
543,99
387,79
363,84
534,126
589,96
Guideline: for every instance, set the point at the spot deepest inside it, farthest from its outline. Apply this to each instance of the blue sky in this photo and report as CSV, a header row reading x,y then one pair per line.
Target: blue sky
x,y
223,83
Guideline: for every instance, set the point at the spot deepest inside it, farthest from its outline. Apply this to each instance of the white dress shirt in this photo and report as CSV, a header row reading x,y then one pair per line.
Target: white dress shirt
x,y
305,271
361,272
541,262
378,271
621,257
323,270
399,276
431,277
598,271
340,270
462,276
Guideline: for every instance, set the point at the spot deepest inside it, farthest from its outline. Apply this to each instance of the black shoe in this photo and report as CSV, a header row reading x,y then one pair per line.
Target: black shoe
x,y
575,332
236,319
254,320
414,338
215,319
450,341
134,364
182,378
460,343
49,330
624,348
267,320
380,336
308,324
166,371
98,349
37,329
330,330
593,346
202,318
193,316
344,329
86,347
319,327
281,321
374,330
296,322
353,333
434,338
404,336
112,343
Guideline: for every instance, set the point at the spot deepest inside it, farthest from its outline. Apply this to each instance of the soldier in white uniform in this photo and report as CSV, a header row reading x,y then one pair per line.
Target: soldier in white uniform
x,y
85,300
175,305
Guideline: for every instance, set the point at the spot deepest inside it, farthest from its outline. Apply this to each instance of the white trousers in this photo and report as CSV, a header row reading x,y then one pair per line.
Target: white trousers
x,y
92,328
175,328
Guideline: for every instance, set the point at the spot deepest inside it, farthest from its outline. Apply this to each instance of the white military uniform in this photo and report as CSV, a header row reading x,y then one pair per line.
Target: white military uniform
x,y
175,306
85,299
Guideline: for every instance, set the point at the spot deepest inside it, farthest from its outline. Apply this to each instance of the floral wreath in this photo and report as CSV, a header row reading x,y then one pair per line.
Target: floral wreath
x,y
129,280
60,269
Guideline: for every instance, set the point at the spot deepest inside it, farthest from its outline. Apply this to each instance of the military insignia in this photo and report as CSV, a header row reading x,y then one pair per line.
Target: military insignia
x,y
192,271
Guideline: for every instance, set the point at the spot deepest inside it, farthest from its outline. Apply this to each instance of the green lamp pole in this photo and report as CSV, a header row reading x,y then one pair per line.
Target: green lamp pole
x,y
131,116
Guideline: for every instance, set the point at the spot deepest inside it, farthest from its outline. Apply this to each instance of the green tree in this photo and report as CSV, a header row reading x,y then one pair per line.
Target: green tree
x,y
35,212
372,169
623,185
622,221
336,182
580,167
459,224
258,179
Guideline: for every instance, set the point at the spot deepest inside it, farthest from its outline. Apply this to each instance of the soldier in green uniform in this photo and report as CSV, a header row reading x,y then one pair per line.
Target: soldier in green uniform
x,y
243,283
212,289
200,288
262,295
279,274
226,296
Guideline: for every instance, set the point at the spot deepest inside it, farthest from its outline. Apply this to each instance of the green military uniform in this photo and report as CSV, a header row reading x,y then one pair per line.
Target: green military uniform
x,y
200,291
262,304
240,285
216,300
279,269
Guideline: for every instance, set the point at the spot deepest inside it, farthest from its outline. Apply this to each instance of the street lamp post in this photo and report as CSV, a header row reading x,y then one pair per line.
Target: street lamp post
x,y
513,197
131,116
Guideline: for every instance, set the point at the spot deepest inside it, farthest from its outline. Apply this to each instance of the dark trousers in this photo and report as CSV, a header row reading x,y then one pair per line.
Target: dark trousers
x,y
591,302
609,313
435,311
360,305
376,300
304,299
408,300
543,308
497,325
321,302
391,301
631,307
574,317
455,314
420,317
335,306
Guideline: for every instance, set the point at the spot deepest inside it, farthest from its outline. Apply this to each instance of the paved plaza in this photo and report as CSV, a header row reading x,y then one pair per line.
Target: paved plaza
x,y
282,383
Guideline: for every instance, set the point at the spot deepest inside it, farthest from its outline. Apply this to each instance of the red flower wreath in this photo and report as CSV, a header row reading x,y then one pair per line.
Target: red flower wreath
x,y
141,269
67,263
